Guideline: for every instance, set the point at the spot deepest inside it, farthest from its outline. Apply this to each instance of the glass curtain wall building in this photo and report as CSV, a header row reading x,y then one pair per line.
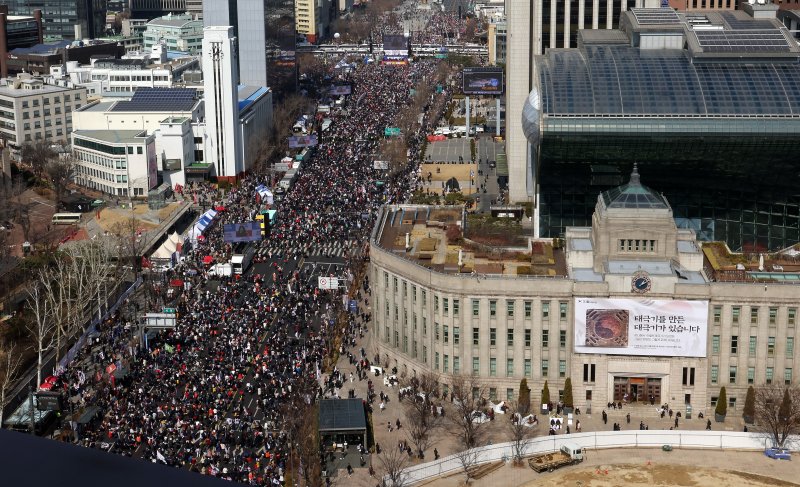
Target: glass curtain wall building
x,y
61,16
707,104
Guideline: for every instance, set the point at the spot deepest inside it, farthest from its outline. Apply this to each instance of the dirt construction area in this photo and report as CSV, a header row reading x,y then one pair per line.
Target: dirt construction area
x,y
647,468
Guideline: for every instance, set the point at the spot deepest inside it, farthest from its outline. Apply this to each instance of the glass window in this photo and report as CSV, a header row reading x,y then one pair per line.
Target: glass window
x,y
425,325
773,316
446,331
492,336
791,315
562,338
753,315
424,298
714,374
475,336
752,348
751,375
528,308
545,338
736,310
456,365
545,367
446,306
509,394
476,366
456,335
436,304
562,368
492,393
493,308
545,310
510,308
492,367
446,363
562,310
715,344
734,344
771,346
456,307
414,293
527,367
476,307
510,337
510,367
769,375
789,347
436,360
436,331
717,314
787,376
732,374
527,338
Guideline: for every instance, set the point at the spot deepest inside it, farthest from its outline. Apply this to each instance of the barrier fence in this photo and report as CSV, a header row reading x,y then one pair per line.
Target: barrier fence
x,y
593,441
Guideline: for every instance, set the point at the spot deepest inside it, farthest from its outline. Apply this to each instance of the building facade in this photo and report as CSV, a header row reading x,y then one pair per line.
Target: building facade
x,y
175,32
631,309
115,162
151,9
31,110
681,95
17,32
312,19
497,41
65,19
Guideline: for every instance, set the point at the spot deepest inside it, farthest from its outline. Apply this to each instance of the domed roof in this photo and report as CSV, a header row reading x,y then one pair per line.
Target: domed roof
x,y
634,195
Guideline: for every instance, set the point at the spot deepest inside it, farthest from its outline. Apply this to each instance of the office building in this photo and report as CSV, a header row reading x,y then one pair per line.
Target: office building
x,y
31,110
713,125
39,59
631,308
195,9
175,33
65,19
151,9
17,32
266,36
313,18
496,34
115,162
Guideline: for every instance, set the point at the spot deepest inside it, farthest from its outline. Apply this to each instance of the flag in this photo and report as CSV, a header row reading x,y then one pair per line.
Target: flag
x,y
160,457
169,348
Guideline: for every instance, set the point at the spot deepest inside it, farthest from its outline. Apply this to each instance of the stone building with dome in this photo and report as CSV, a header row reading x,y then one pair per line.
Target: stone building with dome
x,y
631,307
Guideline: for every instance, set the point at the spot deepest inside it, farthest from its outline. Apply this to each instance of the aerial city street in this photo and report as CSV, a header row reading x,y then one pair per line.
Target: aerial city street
x,y
406,242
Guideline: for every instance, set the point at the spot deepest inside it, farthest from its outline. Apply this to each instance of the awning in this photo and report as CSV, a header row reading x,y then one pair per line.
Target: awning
x,y
265,194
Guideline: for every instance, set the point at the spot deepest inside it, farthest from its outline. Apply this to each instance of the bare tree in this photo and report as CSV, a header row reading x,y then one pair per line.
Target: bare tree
x,y
393,465
128,243
468,460
520,428
38,155
421,417
777,412
61,172
468,421
11,362
43,324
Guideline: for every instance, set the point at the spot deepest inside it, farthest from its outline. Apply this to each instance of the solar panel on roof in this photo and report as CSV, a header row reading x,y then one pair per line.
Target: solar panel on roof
x,y
159,100
746,24
655,16
771,40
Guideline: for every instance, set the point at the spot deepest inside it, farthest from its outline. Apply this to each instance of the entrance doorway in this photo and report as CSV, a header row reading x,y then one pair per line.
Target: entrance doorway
x,y
634,389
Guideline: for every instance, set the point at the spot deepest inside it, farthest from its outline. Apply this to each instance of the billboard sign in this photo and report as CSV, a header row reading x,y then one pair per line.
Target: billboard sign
x,y
300,141
648,327
341,90
241,232
395,46
483,81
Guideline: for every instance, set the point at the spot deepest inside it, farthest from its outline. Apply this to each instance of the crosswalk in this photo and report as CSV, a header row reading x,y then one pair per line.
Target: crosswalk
x,y
336,248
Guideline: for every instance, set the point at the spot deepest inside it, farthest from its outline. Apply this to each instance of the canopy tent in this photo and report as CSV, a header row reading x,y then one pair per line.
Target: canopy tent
x,y
202,223
265,194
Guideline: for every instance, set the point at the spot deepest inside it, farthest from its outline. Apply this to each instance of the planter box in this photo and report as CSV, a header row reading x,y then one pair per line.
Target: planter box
x,y
719,418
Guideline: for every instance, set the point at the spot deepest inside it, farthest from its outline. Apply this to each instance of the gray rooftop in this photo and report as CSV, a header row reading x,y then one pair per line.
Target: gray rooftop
x,y
20,93
581,244
341,415
687,246
101,106
663,268
113,136
585,275
634,195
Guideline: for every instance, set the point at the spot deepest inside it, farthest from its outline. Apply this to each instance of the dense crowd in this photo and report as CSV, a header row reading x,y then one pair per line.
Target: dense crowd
x,y
206,395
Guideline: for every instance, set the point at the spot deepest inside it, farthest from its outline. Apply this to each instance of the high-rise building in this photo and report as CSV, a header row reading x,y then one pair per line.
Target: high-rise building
x,y
150,9
265,32
706,103
195,8
63,17
16,32
313,18
220,81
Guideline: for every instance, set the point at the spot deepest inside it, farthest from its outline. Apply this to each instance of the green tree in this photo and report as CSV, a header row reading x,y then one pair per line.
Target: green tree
x,y
568,401
785,410
524,395
722,403
545,394
749,405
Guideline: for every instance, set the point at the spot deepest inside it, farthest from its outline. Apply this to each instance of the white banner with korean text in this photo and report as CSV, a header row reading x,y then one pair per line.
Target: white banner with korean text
x,y
654,327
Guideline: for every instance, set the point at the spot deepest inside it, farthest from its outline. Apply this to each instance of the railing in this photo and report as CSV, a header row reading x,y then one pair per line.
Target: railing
x,y
595,441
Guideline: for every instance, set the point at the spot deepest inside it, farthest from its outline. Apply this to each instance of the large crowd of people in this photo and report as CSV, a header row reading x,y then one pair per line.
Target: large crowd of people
x,y
205,395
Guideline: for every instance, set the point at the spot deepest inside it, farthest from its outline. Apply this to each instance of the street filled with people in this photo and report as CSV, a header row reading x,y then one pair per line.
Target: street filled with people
x,y
207,395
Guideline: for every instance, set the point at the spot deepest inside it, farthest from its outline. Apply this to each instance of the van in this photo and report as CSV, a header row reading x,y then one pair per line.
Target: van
x,y
574,451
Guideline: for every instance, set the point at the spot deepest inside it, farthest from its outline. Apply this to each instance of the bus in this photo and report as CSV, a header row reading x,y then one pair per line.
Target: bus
x,y
66,218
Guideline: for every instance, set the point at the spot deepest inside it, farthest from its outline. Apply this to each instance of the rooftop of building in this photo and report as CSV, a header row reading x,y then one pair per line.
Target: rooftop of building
x,y
634,195
722,264
249,94
20,88
113,136
155,100
434,237
170,20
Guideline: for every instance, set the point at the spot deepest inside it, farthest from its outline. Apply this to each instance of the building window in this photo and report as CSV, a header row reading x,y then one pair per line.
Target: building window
x,y
527,367
528,308
424,354
446,306
509,394
446,364
456,335
545,367
732,374
789,347
787,376
456,365
436,304
492,367
562,310
425,326
527,338
436,331
736,310
493,394
475,336
405,289
424,298
492,336
562,368
751,375
493,308
510,367
791,314
545,310
751,350
770,346
717,314
769,375
446,331
773,316
714,374
456,307
476,307
753,315
562,338
734,344
688,376
510,308
545,338
405,344
715,344
476,366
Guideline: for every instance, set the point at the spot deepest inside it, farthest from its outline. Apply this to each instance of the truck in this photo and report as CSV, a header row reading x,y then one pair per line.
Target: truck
x,y
221,270
241,261
569,454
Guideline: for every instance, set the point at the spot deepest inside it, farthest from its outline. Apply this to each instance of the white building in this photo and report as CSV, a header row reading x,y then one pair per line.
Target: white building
x,y
115,162
32,110
176,32
224,144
